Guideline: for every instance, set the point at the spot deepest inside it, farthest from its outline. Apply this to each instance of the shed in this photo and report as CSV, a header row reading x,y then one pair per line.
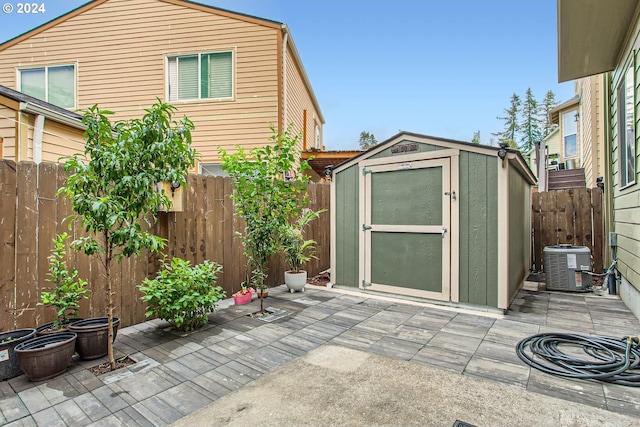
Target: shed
x,y
433,218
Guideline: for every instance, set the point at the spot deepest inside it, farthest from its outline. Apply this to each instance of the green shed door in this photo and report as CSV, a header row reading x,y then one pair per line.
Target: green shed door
x,y
406,230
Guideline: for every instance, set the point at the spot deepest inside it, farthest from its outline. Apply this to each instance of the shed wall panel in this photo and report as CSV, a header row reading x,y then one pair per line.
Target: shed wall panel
x,y
478,229
519,224
347,237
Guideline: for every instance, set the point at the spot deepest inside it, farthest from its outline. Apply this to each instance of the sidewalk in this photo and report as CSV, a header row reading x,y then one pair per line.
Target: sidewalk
x,y
179,374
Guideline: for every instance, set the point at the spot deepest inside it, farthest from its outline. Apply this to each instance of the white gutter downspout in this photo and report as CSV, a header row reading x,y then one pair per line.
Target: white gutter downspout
x,y
284,79
38,131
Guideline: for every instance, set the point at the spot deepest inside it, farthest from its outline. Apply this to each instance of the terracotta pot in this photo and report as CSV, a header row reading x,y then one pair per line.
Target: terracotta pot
x,y
9,364
295,281
263,294
45,357
93,336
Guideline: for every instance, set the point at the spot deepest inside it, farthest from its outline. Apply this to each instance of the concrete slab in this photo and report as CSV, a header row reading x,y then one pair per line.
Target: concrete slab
x,y
318,389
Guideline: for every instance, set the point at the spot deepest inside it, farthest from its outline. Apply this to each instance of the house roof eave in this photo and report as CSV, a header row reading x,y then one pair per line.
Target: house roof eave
x,y
591,35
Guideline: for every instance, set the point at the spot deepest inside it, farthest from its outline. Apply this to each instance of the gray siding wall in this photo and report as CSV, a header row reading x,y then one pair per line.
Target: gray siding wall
x,y
478,201
519,230
347,237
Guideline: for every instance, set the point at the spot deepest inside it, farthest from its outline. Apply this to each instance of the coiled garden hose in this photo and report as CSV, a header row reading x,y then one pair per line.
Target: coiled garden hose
x,y
611,360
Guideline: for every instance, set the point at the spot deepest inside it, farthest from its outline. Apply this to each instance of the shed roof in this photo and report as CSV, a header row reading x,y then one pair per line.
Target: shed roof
x,y
445,142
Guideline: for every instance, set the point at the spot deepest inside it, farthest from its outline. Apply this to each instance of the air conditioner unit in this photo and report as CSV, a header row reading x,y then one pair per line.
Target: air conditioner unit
x,y
566,268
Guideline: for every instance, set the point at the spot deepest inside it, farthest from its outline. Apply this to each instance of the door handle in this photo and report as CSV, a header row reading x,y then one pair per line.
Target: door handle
x,y
450,193
444,230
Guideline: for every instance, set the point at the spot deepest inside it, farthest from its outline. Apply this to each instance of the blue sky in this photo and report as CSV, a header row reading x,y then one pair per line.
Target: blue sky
x,y
445,68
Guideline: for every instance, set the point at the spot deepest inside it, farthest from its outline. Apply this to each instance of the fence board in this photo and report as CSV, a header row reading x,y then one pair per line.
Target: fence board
x,y
47,221
205,230
7,244
26,243
568,217
598,230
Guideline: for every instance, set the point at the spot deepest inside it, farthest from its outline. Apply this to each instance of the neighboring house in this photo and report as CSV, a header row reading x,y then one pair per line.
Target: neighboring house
x,y
34,130
232,74
596,37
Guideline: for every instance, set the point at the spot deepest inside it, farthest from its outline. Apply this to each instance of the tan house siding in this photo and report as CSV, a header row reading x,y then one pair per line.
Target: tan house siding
x,y
298,101
591,135
8,132
554,143
120,49
59,140
626,203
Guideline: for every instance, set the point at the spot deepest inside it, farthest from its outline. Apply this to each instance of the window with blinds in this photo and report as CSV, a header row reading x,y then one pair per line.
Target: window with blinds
x,y
56,85
202,76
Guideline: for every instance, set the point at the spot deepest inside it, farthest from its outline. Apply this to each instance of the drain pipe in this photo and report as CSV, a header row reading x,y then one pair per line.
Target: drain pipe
x,y
38,131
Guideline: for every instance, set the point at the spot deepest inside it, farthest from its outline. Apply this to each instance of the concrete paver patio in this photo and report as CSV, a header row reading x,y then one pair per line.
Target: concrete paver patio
x,y
177,374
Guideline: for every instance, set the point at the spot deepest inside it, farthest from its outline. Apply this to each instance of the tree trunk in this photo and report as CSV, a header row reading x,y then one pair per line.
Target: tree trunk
x,y
107,268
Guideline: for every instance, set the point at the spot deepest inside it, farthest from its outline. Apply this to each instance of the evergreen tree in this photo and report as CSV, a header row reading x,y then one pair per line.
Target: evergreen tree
x,y
476,137
548,104
530,124
367,140
511,123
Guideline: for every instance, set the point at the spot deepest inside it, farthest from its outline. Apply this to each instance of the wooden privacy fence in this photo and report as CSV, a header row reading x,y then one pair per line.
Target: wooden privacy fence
x,y
31,215
568,217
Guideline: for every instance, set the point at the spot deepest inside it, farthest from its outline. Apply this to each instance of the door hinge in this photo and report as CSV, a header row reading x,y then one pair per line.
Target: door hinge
x,y
366,171
366,227
365,283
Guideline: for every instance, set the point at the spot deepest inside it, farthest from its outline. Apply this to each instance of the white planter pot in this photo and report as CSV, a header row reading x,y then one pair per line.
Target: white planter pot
x,y
295,281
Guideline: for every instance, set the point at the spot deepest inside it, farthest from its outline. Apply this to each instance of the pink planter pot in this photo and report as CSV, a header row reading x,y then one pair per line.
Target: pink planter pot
x,y
243,299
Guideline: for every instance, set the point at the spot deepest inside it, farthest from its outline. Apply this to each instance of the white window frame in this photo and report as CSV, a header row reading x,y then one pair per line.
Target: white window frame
x,y
626,87
574,117
169,57
46,81
204,165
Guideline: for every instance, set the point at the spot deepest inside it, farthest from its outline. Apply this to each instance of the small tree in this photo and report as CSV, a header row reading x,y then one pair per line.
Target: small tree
x,y
269,189
476,137
112,185
367,140
69,288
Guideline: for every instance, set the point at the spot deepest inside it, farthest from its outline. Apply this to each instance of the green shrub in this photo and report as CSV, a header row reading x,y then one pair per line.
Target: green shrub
x,y
183,295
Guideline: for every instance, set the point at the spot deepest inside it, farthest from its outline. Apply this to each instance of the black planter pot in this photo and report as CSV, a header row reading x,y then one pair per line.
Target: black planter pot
x,y
9,364
63,327
93,336
45,357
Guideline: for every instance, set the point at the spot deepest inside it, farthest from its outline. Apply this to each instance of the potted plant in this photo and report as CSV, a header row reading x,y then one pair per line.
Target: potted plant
x,y
244,295
9,364
46,356
269,189
112,186
183,295
69,289
297,250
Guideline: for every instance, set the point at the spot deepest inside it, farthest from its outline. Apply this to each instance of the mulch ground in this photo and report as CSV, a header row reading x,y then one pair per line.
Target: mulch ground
x,y
319,280
105,367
